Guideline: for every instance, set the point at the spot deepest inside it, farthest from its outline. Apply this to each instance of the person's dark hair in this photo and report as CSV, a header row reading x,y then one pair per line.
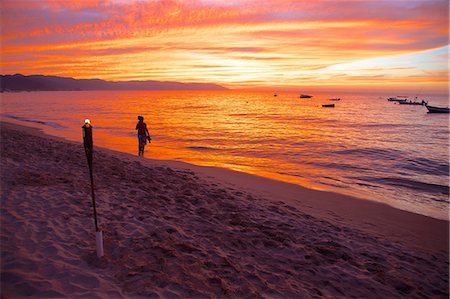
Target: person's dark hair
x,y
141,118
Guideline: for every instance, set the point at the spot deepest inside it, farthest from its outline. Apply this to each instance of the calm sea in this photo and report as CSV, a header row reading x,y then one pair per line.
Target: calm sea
x,y
365,146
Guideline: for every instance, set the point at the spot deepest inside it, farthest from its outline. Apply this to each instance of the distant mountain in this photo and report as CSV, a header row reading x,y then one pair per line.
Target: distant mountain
x,y
20,82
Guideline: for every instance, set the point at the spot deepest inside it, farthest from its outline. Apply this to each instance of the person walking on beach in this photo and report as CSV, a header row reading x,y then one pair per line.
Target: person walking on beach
x,y
143,134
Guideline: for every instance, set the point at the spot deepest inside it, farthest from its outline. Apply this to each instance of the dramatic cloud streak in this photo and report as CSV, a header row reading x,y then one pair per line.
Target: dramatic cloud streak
x,y
237,43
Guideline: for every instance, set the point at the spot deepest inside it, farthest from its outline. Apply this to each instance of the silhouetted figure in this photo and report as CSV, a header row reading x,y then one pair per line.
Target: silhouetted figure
x,y
143,134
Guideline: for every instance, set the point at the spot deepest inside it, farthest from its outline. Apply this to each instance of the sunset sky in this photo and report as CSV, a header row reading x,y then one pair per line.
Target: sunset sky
x,y
238,44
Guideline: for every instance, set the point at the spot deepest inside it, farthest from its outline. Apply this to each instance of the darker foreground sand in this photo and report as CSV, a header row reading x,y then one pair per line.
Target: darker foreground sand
x,y
173,232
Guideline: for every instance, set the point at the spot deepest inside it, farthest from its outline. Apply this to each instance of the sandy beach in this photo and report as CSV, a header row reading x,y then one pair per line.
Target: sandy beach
x,y
173,229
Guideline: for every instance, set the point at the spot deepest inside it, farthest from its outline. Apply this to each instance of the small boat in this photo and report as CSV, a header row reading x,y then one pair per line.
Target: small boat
x,y
305,96
328,105
275,94
397,99
405,102
335,99
433,109
412,103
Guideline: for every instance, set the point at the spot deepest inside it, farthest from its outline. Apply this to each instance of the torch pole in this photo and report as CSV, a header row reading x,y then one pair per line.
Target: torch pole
x,y
88,148
93,196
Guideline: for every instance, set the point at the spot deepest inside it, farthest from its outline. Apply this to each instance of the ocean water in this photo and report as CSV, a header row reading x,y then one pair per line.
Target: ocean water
x,y
365,146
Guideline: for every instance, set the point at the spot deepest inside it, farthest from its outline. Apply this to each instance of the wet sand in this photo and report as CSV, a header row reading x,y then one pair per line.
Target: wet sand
x,y
173,229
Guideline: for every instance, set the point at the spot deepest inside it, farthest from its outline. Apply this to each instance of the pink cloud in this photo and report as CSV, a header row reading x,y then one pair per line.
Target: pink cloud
x,y
273,36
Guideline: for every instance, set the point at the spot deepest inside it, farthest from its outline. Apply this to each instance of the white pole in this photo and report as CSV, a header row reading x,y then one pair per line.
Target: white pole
x,y
99,243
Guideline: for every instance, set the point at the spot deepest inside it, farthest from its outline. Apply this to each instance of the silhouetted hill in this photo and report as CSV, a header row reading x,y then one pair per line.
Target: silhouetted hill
x,y
20,82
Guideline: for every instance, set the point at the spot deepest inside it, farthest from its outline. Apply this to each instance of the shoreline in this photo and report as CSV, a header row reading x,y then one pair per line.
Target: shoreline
x,y
177,229
397,200
350,210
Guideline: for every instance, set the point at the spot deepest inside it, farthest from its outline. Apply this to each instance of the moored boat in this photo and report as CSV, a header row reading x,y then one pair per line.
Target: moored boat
x,y
433,109
405,102
328,105
397,99
305,96
335,99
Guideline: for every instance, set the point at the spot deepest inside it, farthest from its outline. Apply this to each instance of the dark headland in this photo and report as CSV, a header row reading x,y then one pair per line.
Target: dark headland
x,y
20,82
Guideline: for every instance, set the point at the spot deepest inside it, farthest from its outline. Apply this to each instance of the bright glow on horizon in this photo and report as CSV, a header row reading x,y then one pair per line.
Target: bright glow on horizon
x,y
240,44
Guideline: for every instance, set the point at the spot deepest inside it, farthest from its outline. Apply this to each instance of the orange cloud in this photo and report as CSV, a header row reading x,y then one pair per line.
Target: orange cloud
x,y
237,43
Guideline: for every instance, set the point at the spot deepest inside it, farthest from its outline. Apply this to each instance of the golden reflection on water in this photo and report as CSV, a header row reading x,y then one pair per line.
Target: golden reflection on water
x,y
210,129
205,128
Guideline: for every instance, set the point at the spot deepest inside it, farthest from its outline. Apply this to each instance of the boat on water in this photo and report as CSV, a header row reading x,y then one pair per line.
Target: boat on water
x,y
275,94
305,96
328,105
405,102
397,99
335,99
434,109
